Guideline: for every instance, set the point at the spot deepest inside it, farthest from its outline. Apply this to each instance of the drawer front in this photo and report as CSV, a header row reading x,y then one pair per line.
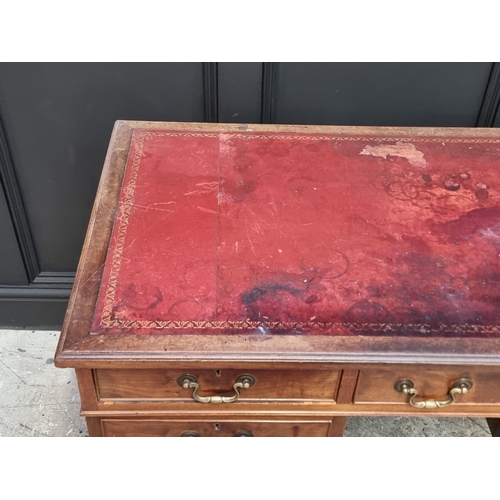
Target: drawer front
x,y
378,385
224,428
270,385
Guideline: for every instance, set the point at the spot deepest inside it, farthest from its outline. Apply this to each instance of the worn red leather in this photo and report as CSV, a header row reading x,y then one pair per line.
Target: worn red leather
x,y
271,233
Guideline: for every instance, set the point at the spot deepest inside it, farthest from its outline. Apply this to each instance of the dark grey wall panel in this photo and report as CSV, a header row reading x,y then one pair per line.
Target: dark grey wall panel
x,y
37,314
12,270
397,94
58,119
240,87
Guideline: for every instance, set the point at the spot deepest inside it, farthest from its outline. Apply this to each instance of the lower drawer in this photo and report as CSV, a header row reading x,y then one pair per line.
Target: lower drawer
x,y
431,384
219,428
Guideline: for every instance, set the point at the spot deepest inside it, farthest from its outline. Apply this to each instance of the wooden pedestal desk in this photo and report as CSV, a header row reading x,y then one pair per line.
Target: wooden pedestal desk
x,y
264,280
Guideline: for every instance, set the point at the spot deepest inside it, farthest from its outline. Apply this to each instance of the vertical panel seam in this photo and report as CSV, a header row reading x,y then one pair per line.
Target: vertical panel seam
x,y
269,84
491,99
17,209
211,92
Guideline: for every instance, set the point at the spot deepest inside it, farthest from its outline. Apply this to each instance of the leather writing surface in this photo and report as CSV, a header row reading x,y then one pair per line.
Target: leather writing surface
x,y
280,233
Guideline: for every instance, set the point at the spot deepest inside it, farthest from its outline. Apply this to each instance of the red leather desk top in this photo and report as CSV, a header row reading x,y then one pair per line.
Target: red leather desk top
x,y
274,233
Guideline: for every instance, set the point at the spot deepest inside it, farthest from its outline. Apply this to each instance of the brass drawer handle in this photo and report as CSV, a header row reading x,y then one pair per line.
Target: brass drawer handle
x,y
191,382
407,387
236,434
239,434
190,434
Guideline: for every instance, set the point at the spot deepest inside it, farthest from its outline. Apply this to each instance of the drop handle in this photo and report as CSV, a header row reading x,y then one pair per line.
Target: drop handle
x,y
191,382
190,434
408,387
240,434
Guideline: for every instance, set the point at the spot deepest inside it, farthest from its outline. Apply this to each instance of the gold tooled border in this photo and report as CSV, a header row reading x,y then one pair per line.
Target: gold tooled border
x,y
125,207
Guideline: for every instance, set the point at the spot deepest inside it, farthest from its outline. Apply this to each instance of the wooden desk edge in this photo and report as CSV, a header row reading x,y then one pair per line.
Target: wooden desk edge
x,y
77,347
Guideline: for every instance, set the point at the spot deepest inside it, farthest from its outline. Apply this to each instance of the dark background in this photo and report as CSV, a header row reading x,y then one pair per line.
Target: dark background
x,y
56,121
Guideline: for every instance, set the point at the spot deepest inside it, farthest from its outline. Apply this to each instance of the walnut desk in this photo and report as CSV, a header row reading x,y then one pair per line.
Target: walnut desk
x,y
258,280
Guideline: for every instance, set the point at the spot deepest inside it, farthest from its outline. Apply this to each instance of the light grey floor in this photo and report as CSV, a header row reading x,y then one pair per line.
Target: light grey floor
x,y
37,399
